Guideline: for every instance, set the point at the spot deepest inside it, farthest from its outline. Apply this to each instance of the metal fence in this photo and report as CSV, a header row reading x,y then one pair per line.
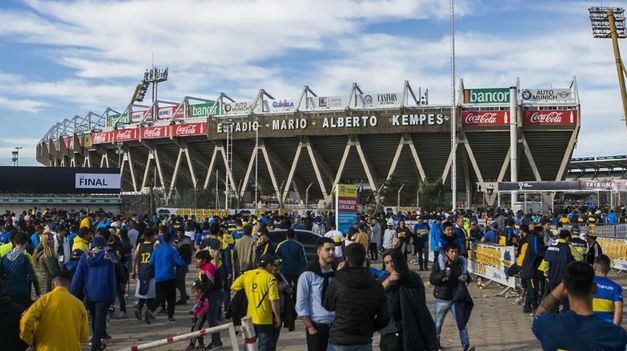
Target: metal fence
x,y
618,231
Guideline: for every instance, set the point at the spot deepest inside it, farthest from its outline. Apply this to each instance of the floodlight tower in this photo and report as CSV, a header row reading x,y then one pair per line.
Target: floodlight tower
x,y
609,22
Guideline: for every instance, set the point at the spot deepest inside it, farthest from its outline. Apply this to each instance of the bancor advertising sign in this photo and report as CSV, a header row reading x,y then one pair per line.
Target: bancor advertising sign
x,y
486,96
346,205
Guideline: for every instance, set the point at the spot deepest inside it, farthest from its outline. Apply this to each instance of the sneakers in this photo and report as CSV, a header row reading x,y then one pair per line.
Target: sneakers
x,y
121,315
469,348
213,346
148,316
171,321
138,314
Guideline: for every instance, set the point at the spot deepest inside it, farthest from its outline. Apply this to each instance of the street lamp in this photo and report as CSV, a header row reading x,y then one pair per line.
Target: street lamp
x,y
609,22
16,155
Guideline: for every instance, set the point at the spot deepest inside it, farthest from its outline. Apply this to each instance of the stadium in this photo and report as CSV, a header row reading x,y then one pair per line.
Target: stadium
x,y
298,150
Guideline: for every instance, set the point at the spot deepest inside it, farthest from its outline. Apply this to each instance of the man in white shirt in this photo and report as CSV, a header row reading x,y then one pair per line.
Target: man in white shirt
x,y
338,240
389,235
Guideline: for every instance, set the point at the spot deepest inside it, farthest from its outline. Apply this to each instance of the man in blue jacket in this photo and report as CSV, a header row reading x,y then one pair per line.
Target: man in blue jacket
x,y
95,281
18,272
293,255
164,259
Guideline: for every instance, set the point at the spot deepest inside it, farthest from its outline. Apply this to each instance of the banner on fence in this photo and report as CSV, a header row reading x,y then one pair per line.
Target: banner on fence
x,y
491,261
616,249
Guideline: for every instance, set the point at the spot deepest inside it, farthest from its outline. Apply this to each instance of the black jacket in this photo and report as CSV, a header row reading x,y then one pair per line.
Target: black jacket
x,y
359,304
10,325
443,287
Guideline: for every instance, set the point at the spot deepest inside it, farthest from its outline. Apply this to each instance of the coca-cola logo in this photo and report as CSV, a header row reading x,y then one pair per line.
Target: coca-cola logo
x,y
100,138
154,132
190,129
546,117
124,134
480,118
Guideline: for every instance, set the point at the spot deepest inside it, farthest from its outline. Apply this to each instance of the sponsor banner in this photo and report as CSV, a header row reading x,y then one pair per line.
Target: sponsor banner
x,y
547,95
125,134
486,96
69,143
432,119
117,119
168,112
200,213
98,181
138,116
330,102
281,106
155,132
382,100
616,249
485,118
101,138
576,185
346,205
237,108
86,140
543,117
203,110
189,129
491,261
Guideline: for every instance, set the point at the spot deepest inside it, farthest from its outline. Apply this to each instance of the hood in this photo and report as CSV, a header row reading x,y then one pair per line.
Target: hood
x,y
15,253
97,257
354,277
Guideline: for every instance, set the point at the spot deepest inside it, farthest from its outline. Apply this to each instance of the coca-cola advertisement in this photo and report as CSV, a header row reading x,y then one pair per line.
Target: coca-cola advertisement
x,y
189,129
69,143
155,132
485,118
125,134
543,117
101,137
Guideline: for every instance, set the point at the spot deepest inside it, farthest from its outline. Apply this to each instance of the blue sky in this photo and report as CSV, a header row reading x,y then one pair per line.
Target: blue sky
x,y
69,57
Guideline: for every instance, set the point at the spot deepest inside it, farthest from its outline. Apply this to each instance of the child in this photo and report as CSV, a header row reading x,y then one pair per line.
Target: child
x,y
199,311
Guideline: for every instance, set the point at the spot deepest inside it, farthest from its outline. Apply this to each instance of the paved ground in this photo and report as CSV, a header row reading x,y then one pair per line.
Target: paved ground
x,y
497,323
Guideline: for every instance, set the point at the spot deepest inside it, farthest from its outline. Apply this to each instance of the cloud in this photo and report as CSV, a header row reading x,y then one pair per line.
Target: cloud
x,y
22,105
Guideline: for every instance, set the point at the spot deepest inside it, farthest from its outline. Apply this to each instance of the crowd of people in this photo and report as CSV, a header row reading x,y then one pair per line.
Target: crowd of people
x,y
65,274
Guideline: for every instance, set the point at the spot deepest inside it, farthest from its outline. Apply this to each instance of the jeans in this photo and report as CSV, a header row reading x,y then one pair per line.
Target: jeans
x,y
365,347
215,300
441,308
98,311
181,272
166,290
320,340
266,340
422,254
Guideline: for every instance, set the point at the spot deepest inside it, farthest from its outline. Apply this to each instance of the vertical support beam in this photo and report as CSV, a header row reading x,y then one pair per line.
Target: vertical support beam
x,y
409,140
532,162
340,169
513,140
466,180
159,168
249,170
212,163
147,169
447,166
475,167
129,160
175,173
319,167
264,152
229,171
567,154
397,155
370,172
190,165
290,175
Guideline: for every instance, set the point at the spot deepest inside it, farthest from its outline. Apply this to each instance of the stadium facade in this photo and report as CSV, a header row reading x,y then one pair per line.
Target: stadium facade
x,y
301,149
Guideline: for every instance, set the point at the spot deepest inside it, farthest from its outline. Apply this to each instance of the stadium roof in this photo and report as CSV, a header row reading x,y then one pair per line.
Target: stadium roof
x,y
600,162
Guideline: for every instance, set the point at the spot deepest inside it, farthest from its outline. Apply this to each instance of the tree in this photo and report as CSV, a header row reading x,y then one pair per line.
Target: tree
x,y
432,195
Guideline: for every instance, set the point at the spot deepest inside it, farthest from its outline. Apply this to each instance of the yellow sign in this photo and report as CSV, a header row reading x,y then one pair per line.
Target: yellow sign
x,y
347,190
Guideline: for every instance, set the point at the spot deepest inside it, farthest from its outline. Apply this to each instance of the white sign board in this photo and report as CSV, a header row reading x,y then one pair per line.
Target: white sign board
x,y
547,95
97,181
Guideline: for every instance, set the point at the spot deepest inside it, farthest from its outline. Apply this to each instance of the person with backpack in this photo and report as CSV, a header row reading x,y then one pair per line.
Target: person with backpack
x,y
143,272
184,246
529,250
18,272
164,259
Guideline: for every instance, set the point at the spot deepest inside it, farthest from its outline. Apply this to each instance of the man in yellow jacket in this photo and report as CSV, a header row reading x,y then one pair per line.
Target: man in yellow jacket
x,y
57,321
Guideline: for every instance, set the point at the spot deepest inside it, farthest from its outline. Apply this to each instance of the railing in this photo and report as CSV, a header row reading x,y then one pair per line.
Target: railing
x,y
247,328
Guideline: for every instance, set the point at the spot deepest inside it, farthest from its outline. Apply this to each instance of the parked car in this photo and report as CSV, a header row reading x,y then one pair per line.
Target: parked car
x,y
305,237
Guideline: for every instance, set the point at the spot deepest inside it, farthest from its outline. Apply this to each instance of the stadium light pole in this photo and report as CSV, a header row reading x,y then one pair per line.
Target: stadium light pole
x,y
609,22
256,164
453,110
16,156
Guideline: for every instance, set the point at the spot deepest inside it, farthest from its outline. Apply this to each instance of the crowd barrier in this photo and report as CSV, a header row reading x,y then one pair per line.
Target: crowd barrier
x,y
247,329
616,249
491,262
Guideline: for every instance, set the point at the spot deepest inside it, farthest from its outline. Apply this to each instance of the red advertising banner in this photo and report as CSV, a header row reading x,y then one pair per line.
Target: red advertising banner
x,y
189,129
69,143
125,134
101,137
156,132
485,118
169,112
544,117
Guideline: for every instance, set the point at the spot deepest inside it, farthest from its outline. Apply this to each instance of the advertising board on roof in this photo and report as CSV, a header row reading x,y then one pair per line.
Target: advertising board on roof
x,y
382,100
101,138
155,132
125,134
189,129
547,117
486,96
547,95
485,118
